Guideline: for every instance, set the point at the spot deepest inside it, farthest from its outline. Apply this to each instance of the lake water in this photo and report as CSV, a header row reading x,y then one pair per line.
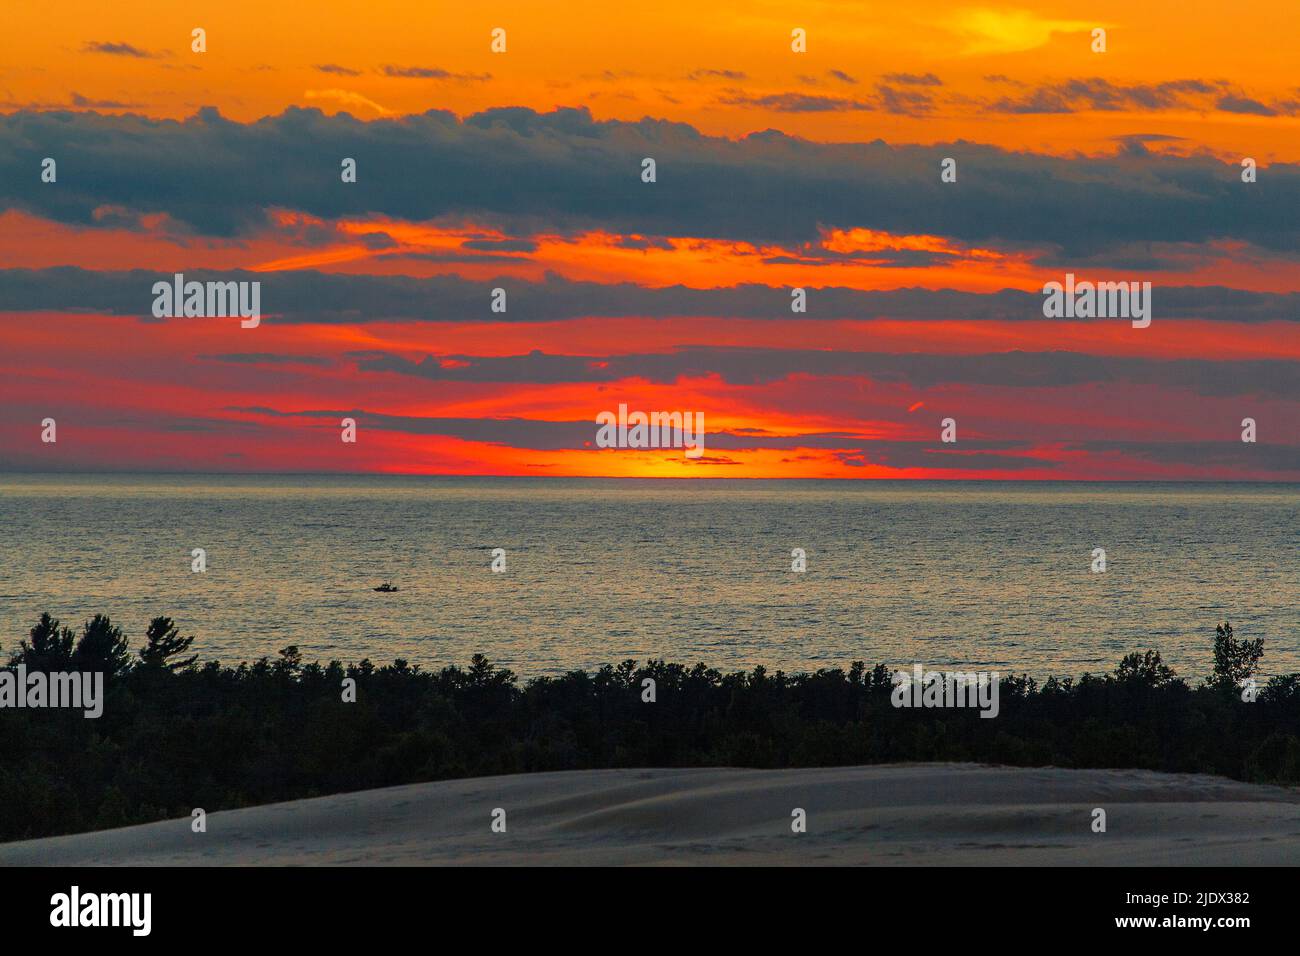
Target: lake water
x,y
983,575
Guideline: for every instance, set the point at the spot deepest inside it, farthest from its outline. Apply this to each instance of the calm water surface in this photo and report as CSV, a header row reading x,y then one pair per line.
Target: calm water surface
x,y
989,575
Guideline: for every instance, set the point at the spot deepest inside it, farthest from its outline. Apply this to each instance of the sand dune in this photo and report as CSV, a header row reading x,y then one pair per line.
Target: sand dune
x,y
895,814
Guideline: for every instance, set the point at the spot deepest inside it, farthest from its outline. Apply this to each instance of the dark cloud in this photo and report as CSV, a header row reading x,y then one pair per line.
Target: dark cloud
x,y
917,94
515,432
968,454
717,75
1244,104
86,103
904,102
118,49
534,367
501,245
307,296
710,460
1097,93
977,456
643,242
887,99
905,454
266,358
337,70
377,240
432,73
1267,378
467,256
563,172
1135,144
912,79
882,258
1260,456
797,103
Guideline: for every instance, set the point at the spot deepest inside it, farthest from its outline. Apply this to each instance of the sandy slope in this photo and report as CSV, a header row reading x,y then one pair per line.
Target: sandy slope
x,y
897,814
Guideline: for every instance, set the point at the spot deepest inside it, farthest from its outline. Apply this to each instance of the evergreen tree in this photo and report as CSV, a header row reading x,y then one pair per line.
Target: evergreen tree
x,y
1234,660
50,648
164,643
102,647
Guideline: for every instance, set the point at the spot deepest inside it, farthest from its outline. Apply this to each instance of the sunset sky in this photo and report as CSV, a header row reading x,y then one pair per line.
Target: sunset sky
x,y
775,170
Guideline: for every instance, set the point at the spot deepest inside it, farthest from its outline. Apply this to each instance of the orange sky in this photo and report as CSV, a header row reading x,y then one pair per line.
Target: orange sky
x,y
628,61
1195,79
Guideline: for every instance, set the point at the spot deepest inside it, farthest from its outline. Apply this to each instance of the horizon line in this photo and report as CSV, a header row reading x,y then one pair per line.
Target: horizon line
x,y
674,478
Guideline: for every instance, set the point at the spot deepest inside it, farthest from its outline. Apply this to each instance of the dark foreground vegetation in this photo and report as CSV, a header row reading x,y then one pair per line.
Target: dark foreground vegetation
x,y
176,734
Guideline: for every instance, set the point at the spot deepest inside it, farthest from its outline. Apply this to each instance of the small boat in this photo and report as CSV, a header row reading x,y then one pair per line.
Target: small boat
x,y
386,587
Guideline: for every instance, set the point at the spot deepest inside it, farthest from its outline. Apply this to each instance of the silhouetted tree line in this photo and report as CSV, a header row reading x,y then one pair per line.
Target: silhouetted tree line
x,y
177,734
